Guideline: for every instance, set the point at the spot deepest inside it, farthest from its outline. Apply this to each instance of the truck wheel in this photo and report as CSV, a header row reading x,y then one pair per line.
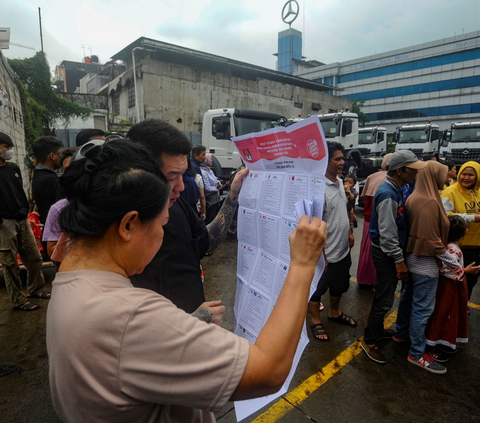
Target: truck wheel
x,y
351,167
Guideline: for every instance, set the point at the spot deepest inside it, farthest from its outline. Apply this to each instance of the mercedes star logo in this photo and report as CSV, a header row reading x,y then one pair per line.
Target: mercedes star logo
x,y
290,14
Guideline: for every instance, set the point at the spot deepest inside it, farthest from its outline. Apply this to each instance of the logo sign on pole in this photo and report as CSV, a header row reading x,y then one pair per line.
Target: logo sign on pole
x,y
290,12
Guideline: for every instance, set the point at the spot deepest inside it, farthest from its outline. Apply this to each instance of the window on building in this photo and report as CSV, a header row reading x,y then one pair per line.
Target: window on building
x,y
131,96
116,104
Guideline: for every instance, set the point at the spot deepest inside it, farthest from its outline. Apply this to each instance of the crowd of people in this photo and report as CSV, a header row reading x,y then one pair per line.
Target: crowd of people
x,y
129,330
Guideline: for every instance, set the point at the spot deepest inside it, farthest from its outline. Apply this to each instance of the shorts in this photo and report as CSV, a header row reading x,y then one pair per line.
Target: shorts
x,y
336,278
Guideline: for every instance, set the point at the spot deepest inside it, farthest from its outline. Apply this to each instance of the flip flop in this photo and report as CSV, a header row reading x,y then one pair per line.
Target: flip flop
x,y
28,307
343,319
42,295
318,329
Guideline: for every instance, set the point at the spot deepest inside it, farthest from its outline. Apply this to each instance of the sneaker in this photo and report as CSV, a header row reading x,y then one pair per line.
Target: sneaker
x,y
387,334
438,356
373,352
429,364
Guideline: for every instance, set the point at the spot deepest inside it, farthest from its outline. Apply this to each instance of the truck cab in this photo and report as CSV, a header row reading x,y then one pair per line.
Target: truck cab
x,y
464,142
373,139
444,141
421,139
342,127
220,125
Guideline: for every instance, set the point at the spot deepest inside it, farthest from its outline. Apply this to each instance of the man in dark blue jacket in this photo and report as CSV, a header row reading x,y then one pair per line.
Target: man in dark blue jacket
x,y
389,235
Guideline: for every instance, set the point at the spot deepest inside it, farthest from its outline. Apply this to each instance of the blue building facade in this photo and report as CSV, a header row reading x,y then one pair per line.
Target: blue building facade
x,y
439,80
289,50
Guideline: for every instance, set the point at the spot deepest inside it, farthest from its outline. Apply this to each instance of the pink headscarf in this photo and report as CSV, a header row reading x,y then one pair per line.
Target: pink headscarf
x,y
374,181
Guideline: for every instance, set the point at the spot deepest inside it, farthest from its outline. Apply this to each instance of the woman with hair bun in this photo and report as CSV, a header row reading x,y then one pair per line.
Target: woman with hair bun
x,y
123,354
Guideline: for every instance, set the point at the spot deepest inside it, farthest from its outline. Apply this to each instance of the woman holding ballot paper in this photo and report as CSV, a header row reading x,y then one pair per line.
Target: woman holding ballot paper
x,y
123,354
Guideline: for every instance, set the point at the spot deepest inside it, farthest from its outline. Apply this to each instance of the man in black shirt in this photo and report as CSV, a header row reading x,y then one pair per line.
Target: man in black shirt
x,y
16,235
46,189
175,271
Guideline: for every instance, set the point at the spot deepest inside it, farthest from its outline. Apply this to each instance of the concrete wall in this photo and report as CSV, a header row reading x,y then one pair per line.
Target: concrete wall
x,y
11,117
94,101
181,95
96,120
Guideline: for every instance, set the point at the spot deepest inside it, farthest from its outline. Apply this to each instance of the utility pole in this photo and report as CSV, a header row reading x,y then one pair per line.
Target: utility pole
x,y
40,20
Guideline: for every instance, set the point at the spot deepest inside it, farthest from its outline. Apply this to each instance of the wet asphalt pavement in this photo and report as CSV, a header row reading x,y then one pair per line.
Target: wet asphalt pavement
x,y
359,391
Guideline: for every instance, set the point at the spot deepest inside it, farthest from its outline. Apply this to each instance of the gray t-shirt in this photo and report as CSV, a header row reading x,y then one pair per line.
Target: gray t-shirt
x,y
336,217
124,354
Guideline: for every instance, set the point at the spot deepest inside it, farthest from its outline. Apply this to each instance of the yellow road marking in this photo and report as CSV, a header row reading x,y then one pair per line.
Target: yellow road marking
x,y
475,306
310,385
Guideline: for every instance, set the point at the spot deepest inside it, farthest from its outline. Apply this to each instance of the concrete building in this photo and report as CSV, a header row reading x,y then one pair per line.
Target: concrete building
x,y
439,80
179,85
67,131
11,118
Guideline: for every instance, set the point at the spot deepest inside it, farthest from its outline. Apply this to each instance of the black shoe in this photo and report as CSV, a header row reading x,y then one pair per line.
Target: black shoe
x,y
446,350
438,356
387,334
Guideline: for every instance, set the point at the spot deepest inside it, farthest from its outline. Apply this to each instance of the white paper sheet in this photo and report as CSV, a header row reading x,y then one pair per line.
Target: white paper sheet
x,y
287,165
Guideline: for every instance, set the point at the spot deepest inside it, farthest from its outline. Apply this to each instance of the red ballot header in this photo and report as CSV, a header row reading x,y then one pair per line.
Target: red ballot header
x,y
304,142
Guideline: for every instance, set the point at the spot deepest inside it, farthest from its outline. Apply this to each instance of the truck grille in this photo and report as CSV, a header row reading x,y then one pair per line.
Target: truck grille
x,y
464,154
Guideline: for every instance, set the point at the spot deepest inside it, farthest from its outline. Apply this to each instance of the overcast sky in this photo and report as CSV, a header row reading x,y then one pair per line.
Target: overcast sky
x,y
246,30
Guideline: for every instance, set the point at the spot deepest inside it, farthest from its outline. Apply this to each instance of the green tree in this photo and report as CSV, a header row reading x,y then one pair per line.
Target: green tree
x,y
357,108
41,105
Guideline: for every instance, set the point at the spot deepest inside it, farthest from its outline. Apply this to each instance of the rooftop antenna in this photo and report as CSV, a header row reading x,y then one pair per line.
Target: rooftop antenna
x,y
83,48
90,48
40,21
305,38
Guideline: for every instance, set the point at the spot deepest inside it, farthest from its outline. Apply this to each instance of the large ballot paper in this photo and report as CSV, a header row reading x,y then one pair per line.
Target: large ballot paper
x,y
287,165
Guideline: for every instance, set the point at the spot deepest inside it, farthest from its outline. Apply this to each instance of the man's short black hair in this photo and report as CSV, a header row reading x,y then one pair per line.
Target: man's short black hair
x,y
450,165
69,152
393,172
332,147
160,138
85,134
43,146
5,139
197,149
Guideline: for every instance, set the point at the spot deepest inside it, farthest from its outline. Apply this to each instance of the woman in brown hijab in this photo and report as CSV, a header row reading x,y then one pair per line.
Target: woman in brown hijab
x,y
428,228
366,274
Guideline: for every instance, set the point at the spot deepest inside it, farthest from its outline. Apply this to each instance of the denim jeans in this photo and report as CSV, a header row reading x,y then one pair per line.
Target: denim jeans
x,y
415,308
385,286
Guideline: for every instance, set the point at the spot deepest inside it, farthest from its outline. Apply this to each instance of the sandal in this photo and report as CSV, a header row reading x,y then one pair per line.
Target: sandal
x,y
28,306
42,295
343,319
318,329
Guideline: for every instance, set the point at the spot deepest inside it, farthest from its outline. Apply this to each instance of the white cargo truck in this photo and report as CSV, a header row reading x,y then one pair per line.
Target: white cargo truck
x,y
463,142
342,127
421,139
220,125
373,140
